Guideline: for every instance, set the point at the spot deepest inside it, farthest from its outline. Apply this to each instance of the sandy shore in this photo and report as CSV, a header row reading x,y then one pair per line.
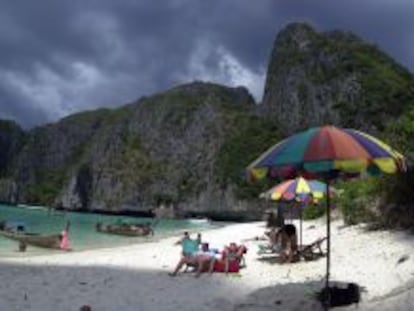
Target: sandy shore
x,y
136,277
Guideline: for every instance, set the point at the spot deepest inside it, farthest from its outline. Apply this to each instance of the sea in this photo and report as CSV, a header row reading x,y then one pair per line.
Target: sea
x,y
82,233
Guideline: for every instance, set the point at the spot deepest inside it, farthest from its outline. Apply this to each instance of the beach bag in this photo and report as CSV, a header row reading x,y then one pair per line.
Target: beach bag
x,y
340,296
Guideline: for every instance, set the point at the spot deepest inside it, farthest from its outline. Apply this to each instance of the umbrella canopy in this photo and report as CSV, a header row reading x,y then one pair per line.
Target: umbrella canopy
x,y
327,149
298,188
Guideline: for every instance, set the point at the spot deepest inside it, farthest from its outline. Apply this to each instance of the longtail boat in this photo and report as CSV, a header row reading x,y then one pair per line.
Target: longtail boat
x,y
45,241
133,230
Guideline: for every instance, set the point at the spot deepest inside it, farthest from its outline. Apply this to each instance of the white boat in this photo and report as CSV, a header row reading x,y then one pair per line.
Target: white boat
x,y
33,207
198,220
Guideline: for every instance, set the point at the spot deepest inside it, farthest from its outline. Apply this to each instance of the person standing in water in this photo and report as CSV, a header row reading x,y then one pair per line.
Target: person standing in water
x,y
64,238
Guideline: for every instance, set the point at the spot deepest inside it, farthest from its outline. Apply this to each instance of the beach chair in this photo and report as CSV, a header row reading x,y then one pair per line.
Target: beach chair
x,y
235,255
312,251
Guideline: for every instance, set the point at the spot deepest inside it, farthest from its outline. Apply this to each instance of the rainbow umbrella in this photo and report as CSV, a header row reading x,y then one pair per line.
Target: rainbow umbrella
x,y
297,189
327,151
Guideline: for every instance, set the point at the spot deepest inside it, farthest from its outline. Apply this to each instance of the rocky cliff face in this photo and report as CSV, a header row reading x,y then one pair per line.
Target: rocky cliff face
x,y
332,78
163,149
12,138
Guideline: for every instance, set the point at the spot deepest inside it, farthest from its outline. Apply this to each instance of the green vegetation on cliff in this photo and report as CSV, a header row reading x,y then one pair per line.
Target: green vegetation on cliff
x,y
46,188
387,89
250,136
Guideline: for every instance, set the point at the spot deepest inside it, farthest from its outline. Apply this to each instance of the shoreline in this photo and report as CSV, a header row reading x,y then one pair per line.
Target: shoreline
x,y
136,276
217,216
127,244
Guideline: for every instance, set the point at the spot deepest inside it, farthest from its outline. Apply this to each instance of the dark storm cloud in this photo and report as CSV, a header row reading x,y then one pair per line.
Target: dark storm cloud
x,y
15,107
59,57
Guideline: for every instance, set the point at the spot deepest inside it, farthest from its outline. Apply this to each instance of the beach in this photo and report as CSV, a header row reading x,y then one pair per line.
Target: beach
x,y
136,277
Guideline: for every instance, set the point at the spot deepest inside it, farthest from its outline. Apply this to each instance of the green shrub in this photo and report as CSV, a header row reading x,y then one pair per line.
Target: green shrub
x,y
356,200
313,211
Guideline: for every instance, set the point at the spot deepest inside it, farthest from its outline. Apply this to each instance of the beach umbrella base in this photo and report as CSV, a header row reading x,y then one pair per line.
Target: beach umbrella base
x,y
336,296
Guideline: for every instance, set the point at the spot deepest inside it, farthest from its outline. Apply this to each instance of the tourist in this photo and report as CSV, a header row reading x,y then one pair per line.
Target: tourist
x,y
203,258
289,241
64,238
188,253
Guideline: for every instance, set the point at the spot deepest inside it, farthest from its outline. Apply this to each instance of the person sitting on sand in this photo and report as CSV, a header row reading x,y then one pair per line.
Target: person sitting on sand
x,y
203,258
188,254
289,242
233,252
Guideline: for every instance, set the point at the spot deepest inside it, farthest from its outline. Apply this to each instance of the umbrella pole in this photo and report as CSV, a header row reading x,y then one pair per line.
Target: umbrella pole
x,y
300,224
328,242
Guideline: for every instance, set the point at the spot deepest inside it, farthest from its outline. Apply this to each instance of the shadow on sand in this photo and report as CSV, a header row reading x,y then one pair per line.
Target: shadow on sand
x,y
270,259
107,288
290,296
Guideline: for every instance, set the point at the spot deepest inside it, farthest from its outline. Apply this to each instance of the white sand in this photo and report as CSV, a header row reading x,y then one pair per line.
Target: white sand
x,y
135,277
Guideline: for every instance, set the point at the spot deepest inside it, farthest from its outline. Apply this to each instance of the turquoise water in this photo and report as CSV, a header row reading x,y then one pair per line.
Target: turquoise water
x,y
82,229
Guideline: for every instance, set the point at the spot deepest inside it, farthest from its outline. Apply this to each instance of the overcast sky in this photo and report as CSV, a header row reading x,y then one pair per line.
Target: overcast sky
x,y
58,57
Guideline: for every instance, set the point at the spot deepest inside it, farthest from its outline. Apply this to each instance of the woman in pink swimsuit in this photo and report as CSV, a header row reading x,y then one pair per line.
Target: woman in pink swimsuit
x,y
64,239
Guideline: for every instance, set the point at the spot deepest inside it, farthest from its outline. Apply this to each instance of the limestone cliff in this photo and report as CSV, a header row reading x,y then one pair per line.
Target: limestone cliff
x,y
333,77
12,139
169,148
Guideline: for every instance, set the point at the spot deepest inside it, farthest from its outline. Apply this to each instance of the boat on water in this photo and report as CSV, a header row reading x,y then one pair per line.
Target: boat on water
x,y
132,230
39,240
198,220
16,231
33,207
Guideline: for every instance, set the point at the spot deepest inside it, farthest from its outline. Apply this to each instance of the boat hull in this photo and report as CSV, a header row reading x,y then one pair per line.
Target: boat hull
x,y
124,230
44,241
